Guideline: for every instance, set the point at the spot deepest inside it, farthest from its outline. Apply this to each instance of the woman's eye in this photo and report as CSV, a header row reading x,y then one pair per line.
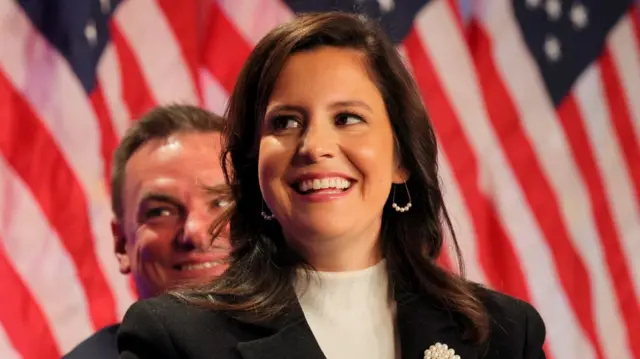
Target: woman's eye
x,y
345,119
280,123
221,203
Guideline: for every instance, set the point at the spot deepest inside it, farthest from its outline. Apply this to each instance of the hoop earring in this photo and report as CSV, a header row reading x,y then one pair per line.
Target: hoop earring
x,y
393,200
265,215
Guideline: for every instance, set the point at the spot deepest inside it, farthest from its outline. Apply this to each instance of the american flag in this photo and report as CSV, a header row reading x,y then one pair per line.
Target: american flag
x,y
536,104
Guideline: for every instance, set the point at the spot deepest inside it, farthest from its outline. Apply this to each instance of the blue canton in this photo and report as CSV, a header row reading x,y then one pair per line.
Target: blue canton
x,y
396,17
78,29
565,37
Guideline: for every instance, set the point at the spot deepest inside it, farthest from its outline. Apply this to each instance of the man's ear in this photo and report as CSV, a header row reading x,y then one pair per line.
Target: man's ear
x,y
120,247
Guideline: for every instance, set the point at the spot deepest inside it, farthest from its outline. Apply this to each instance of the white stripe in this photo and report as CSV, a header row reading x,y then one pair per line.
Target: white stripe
x,y
36,253
626,56
44,78
462,224
214,96
609,158
254,18
453,63
155,46
7,351
517,68
110,77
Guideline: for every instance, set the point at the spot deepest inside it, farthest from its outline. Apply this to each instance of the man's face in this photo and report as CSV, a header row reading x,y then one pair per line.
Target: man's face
x,y
163,238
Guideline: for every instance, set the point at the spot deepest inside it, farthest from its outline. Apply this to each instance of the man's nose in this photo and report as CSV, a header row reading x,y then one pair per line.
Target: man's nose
x,y
196,233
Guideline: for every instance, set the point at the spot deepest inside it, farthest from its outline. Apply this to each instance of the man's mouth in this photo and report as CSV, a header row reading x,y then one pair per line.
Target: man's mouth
x,y
197,266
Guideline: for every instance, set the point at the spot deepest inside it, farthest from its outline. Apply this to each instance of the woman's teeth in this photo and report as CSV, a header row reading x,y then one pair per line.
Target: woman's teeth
x,y
198,266
324,183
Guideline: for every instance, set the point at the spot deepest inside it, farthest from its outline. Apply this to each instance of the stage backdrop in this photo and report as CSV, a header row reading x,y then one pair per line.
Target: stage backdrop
x,y
536,104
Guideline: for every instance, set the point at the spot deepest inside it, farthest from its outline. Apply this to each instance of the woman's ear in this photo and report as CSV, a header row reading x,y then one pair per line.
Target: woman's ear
x,y
401,175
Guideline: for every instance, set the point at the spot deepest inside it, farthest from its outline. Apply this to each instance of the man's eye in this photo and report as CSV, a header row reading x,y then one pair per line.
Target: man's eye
x,y
159,212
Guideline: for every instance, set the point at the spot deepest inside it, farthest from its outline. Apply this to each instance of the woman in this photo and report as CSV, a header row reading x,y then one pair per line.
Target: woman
x,y
337,223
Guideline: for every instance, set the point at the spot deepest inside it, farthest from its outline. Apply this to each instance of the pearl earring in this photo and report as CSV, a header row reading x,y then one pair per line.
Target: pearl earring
x,y
265,215
393,200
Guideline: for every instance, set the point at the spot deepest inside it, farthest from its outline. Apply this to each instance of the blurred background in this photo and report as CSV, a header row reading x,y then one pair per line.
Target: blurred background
x,y
536,104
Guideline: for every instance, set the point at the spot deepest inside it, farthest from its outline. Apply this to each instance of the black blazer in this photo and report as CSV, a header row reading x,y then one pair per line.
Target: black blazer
x,y
163,327
101,345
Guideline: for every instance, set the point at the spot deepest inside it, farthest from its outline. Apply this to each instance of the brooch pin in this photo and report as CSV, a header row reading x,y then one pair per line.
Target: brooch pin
x,y
440,351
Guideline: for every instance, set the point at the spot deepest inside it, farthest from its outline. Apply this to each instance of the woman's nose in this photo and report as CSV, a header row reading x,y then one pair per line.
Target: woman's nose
x,y
317,142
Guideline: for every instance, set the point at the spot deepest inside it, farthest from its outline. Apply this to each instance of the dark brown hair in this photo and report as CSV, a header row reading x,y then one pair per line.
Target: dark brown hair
x,y
159,123
257,284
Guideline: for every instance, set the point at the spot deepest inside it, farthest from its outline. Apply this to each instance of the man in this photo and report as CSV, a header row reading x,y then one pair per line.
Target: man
x,y
165,172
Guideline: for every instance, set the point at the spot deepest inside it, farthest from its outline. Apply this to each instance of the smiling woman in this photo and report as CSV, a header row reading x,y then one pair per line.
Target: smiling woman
x,y
320,133
337,222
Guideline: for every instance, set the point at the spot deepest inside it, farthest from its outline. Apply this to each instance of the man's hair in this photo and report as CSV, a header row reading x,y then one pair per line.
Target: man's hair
x,y
159,123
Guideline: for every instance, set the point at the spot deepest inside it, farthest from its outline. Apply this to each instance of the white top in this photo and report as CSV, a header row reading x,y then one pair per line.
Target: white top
x,y
351,314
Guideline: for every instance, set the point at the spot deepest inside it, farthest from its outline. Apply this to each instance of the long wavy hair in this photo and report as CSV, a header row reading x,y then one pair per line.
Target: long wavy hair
x,y
258,284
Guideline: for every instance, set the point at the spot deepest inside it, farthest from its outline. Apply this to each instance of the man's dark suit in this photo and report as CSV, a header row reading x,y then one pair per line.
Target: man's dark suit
x,y
163,327
101,345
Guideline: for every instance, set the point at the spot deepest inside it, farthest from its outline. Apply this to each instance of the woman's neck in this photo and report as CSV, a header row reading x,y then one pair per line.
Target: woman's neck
x,y
342,256
357,249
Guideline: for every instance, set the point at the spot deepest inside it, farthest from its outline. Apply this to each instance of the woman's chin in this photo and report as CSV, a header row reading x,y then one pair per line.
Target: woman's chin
x,y
317,227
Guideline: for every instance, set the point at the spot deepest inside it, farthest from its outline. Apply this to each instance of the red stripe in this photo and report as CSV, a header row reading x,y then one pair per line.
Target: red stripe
x,y
621,118
21,316
581,149
226,50
108,138
444,259
132,286
495,247
455,8
504,273
537,190
135,92
180,15
635,23
53,184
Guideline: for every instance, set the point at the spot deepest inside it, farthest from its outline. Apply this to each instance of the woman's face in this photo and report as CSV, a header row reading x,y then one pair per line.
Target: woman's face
x,y
326,161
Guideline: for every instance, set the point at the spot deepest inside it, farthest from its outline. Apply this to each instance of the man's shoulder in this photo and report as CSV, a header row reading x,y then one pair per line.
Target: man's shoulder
x,y
178,327
102,344
169,308
172,314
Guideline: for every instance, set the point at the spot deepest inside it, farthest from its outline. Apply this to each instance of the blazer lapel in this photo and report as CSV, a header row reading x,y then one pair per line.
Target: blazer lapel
x,y
292,339
422,323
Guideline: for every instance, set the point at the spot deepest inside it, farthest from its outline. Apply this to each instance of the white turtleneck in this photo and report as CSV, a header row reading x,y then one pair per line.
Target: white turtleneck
x,y
351,314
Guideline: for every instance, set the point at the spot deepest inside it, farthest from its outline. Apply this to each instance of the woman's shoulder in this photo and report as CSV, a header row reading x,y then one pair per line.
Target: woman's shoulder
x,y
506,309
515,323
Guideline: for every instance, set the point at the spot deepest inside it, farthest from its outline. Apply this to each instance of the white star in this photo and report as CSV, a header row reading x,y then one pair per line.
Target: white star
x,y
552,48
579,16
105,6
533,4
91,32
554,9
386,5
